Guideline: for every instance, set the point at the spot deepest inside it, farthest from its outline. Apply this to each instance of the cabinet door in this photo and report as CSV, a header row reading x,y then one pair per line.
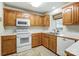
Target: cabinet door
x,y
8,45
63,44
39,38
36,39
45,40
36,20
76,13
18,14
41,20
53,43
9,17
68,15
46,21
32,20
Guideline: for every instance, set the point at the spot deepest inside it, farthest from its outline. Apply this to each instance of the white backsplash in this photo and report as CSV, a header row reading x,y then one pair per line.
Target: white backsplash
x,y
38,29
71,29
11,29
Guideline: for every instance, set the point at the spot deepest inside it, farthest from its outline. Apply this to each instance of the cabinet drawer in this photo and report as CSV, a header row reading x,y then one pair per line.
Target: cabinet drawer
x,y
8,37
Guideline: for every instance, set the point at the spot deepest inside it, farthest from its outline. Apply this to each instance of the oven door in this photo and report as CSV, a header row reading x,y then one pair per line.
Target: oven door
x,y
23,40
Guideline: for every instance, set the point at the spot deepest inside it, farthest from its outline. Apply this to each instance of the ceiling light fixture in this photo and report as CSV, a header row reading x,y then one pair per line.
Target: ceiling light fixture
x,y
36,4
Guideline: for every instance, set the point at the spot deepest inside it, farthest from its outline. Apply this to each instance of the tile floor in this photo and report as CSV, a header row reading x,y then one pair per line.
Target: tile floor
x,y
37,51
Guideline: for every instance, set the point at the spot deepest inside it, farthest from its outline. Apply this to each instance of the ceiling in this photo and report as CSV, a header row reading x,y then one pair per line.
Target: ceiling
x,y
45,7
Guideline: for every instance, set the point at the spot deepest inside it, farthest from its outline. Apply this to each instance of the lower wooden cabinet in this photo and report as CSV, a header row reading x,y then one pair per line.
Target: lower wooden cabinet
x,y
36,39
47,40
8,44
53,43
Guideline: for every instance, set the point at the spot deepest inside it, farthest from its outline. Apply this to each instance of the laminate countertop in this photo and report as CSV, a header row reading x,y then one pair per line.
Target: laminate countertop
x,y
7,33
67,35
74,49
63,35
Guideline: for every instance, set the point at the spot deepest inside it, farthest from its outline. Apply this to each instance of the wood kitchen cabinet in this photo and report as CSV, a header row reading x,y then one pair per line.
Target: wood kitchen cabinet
x,y
36,20
49,41
45,40
46,21
36,39
8,44
71,14
20,14
9,17
76,13
32,20
52,43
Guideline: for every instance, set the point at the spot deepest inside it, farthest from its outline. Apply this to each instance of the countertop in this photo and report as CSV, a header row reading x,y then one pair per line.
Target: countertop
x,y
74,49
70,36
63,35
7,33
66,35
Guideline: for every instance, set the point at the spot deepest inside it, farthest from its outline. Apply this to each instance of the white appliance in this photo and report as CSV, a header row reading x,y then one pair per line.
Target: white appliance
x,y
22,22
63,44
23,35
23,42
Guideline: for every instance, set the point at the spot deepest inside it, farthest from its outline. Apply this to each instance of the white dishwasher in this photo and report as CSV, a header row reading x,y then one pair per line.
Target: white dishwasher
x,y
63,44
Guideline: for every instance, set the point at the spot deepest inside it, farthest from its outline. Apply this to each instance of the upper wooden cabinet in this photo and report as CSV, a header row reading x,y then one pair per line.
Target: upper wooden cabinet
x,y
68,15
9,17
46,20
32,20
35,20
18,14
71,14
